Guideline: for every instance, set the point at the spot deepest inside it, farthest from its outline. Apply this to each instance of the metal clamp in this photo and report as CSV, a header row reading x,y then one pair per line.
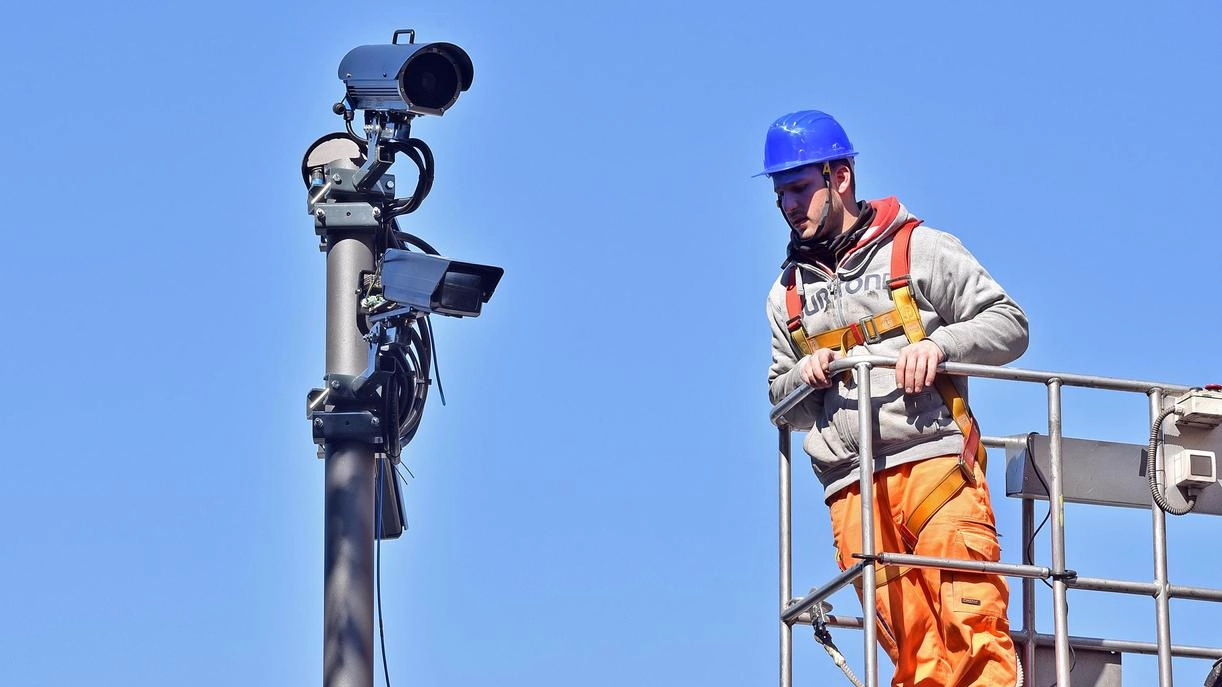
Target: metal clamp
x,y
1067,576
361,425
346,408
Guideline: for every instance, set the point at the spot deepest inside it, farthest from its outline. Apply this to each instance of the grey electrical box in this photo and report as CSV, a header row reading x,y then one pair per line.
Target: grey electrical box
x,y
1091,667
1101,472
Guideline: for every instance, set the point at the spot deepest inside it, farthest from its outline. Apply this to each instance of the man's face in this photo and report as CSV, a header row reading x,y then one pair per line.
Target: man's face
x,y
801,194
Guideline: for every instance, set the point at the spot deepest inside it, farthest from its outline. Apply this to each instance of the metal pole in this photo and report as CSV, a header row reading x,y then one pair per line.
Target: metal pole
x,y
348,538
1056,500
1028,595
1162,606
907,560
786,542
865,453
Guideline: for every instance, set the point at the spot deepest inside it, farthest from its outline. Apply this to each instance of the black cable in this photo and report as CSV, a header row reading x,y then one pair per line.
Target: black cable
x,y
419,153
405,482
1160,498
414,240
411,364
1029,549
1031,543
392,402
436,367
405,359
1073,655
427,164
352,134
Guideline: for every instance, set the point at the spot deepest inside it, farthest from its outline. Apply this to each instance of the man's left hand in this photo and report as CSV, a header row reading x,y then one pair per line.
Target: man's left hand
x,y
917,365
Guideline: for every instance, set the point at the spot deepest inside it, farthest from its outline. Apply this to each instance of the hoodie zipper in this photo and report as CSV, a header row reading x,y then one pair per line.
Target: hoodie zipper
x,y
845,426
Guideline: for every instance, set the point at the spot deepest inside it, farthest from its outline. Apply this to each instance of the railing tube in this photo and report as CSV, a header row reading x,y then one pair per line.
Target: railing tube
x,y
786,542
865,454
1162,606
907,560
986,371
1056,500
1028,595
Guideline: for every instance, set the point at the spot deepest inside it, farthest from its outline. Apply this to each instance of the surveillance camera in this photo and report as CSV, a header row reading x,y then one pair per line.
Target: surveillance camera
x,y
424,78
433,284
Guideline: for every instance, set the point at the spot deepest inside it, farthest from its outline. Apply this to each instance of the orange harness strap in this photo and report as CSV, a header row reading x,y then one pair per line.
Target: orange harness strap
x,y
793,308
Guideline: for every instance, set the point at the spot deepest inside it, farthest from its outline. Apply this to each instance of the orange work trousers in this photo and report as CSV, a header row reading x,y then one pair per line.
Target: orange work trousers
x,y
940,628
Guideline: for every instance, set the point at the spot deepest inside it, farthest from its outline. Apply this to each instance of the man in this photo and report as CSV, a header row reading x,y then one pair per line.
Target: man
x,y
839,294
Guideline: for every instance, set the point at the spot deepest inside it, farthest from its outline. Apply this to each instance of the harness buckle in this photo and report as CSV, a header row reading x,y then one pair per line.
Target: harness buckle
x,y
865,324
906,535
969,475
899,282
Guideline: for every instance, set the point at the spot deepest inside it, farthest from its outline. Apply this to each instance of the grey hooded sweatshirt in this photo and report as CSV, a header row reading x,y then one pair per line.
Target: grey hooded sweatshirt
x,y
963,309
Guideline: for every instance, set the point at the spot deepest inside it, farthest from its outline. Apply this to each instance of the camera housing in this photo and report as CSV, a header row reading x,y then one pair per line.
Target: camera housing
x,y
433,284
418,79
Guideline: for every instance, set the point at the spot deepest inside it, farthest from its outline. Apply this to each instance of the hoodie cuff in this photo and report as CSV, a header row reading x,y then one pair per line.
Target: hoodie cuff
x,y
945,341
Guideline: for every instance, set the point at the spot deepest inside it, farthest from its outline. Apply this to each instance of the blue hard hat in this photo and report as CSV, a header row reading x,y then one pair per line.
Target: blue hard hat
x,y
804,138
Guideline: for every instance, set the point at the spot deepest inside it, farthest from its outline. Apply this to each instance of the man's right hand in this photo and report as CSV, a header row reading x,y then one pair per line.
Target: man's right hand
x,y
813,368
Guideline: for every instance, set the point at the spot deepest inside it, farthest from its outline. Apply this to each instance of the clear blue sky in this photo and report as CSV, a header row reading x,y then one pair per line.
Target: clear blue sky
x,y
596,504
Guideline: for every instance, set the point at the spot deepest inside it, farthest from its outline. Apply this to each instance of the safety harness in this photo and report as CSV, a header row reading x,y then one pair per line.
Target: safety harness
x,y
904,315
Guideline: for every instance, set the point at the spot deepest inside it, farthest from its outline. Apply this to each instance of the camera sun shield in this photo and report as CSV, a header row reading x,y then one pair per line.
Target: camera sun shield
x,y
414,78
433,284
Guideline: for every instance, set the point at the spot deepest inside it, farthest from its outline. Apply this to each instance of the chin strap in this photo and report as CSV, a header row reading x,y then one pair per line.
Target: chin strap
x,y
827,204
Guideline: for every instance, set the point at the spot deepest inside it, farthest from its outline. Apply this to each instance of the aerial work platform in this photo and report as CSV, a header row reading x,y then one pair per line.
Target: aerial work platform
x,y
1186,439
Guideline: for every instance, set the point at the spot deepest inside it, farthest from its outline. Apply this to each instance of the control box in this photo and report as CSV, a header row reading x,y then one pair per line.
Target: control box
x,y
1193,468
1199,408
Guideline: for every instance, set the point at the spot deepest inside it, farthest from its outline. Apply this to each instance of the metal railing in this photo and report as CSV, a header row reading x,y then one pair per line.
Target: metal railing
x,y
801,610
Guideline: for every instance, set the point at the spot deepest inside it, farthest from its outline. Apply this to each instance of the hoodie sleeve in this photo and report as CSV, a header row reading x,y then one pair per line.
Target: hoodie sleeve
x,y
981,323
783,376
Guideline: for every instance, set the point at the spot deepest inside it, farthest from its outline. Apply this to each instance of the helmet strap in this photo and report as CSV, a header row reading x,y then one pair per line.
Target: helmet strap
x,y
827,204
